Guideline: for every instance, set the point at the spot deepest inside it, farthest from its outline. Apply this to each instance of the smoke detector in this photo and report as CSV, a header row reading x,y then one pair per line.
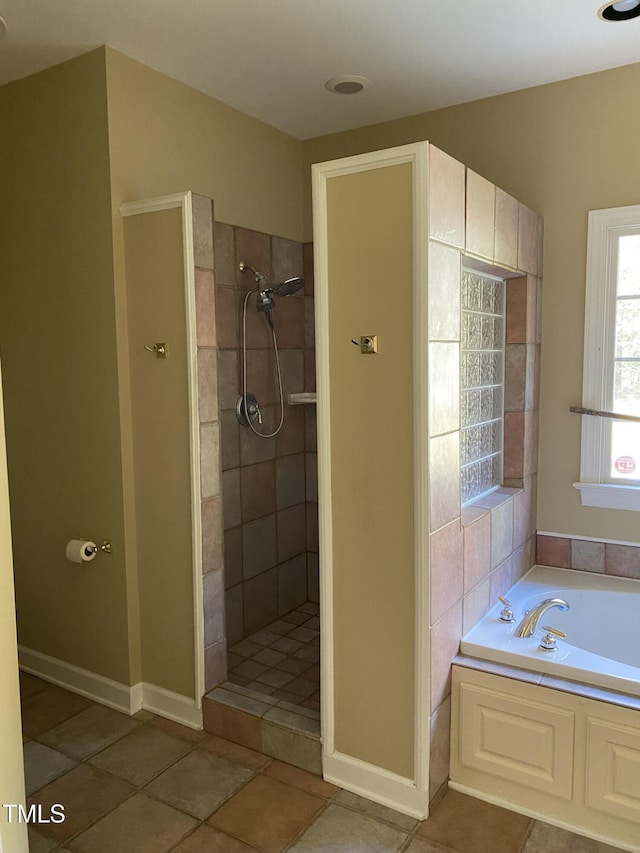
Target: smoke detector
x,y
349,84
623,10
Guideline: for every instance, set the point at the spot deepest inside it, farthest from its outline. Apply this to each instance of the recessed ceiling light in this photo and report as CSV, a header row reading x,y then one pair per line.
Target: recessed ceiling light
x,y
3,27
350,84
623,10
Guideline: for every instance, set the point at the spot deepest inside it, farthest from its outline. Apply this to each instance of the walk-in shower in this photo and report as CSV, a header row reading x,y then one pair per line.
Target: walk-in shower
x,y
247,407
269,481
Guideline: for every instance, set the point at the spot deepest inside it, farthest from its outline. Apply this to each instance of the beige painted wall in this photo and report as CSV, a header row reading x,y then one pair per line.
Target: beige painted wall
x,y
84,137
13,835
562,149
370,267
59,357
165,137
160,409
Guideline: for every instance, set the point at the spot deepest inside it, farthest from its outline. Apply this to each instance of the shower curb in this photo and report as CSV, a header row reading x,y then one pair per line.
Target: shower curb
x,y
263,725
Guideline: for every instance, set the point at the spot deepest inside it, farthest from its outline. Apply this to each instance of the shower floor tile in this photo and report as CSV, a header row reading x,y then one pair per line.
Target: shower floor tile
x,y
281,660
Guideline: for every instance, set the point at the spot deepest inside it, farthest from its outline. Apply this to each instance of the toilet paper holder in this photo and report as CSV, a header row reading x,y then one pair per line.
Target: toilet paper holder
x,y
104,547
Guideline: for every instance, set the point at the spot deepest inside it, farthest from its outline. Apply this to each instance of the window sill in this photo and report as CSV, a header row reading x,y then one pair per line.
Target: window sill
x,y
482,506
609,496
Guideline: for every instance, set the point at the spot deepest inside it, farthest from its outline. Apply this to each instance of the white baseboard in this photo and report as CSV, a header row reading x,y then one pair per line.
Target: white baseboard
x,y
375,783
78,680
113,694
171,705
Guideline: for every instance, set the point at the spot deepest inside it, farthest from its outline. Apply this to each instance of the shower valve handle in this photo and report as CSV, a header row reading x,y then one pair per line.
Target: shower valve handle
x,y
254,409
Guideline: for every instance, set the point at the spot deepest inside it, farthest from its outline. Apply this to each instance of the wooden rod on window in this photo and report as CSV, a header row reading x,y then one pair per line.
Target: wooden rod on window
x,y
578,410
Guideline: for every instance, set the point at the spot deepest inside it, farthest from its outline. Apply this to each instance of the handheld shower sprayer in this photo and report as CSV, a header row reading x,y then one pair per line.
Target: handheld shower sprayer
x,y
247,408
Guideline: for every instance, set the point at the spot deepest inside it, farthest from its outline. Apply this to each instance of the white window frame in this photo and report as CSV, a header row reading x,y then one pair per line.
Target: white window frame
x,y
605,227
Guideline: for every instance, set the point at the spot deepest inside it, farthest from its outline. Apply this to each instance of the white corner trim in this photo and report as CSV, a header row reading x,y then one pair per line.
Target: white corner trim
x,y
374,783
422,663
609,495
113,694
365,162
90,684
163,202
170,705
194,442
323,417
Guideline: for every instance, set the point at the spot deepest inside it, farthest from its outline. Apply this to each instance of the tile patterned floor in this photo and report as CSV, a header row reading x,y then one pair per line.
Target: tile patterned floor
x,y
146,785
282,660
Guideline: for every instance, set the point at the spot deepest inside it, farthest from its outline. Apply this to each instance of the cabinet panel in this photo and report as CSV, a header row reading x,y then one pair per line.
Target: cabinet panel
x,y
613,783
517,739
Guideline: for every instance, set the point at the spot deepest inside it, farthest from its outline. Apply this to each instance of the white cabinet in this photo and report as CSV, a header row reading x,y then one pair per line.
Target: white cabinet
x,y
517,739
614,754
565,759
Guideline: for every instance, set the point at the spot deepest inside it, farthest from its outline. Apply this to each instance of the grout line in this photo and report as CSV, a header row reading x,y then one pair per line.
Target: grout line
x,y
140,789
136,789
304,645
523,847
309,825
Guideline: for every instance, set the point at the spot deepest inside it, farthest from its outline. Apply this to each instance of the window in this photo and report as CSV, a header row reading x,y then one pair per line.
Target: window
x,y
482,380
610,452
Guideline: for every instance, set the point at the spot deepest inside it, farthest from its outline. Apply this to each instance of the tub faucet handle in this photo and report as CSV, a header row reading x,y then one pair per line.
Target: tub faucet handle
x,y
506,614
549,642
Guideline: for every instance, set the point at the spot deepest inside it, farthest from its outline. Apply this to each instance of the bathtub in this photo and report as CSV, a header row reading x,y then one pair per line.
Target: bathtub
x,y
602,647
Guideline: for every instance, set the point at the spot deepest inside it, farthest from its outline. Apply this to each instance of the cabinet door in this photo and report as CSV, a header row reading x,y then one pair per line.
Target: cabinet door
x,y
613,768
517,739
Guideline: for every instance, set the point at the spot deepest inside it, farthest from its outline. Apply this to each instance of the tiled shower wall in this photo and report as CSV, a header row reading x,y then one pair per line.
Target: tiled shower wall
x,y
268,484
477,553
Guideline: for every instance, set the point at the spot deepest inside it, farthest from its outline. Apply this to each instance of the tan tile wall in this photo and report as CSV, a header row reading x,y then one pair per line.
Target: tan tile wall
x,y
477,553
209,419
588,556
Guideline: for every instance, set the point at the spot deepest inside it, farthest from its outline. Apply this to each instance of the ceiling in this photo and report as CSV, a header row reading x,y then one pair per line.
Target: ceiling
x,y
271,58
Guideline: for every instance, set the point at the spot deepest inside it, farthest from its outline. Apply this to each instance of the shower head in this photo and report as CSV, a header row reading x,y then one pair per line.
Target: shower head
x,y
284,288
289,286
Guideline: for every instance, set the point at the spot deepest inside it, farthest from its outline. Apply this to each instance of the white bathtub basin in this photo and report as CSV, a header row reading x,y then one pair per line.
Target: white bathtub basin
x,y
602,626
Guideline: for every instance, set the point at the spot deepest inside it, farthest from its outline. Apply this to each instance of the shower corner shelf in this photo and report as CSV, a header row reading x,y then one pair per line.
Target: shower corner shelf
x,y
302,398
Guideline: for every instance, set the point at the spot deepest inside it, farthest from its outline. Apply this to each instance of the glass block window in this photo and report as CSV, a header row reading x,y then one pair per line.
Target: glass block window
x,y
482,384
